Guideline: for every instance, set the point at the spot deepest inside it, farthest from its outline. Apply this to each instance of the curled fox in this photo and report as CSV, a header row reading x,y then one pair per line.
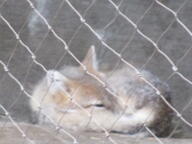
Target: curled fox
x,y
76,100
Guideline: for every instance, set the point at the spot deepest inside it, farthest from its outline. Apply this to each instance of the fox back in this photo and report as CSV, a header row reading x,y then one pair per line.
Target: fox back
x,y
88,99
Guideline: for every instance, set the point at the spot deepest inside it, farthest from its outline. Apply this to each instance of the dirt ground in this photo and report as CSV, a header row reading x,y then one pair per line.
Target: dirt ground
x,y
43,135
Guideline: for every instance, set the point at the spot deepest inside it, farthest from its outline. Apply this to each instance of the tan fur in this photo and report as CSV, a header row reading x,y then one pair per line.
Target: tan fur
x,y
70,96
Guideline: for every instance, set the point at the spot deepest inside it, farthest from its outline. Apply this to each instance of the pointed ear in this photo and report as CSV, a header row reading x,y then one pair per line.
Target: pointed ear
x,y
90,60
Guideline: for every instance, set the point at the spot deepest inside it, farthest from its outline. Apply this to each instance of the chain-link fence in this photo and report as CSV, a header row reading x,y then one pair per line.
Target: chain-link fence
x,y
36,36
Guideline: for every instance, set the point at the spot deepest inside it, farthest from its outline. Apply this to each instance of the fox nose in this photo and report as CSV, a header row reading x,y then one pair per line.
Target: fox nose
x,y
52,76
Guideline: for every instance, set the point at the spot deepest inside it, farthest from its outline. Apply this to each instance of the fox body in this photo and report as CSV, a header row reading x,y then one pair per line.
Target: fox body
x,y
123,103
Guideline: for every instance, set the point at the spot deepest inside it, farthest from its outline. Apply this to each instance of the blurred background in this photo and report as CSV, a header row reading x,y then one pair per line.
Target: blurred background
x,y
151,18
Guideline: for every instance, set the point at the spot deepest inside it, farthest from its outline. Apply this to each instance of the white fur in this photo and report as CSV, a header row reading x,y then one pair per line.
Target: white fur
x,y
138,98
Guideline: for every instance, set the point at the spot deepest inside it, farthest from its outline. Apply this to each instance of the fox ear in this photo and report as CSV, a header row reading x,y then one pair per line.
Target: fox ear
x,y
90,60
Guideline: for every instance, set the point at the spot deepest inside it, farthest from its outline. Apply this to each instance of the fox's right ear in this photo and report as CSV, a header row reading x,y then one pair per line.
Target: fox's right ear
x,y
90,60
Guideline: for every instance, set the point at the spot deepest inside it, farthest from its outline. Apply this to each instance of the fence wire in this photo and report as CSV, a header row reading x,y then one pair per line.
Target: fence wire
x,y
66,46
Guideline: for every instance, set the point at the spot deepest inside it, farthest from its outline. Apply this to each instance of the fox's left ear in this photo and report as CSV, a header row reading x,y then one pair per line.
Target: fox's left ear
x,y
90,60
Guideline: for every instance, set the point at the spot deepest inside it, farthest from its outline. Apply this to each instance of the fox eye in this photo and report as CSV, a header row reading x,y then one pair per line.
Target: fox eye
x,y
99,105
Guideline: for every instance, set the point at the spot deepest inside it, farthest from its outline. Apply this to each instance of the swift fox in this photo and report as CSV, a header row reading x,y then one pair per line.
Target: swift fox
x,y
123,104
